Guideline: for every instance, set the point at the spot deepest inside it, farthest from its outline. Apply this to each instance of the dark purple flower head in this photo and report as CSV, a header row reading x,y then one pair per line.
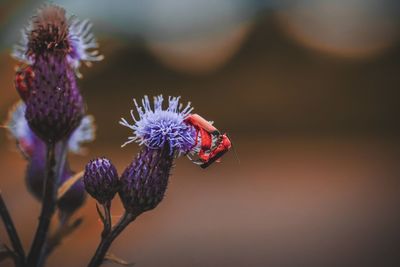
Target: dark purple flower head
x,y
145,180
52,49
31,146
101,180
55,106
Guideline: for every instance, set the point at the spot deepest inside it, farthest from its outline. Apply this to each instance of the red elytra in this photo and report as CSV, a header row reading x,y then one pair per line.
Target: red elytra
x,y
23,81
206,131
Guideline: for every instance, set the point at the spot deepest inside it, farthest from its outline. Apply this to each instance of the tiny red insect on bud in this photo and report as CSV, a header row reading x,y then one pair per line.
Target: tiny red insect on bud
x,y
24,81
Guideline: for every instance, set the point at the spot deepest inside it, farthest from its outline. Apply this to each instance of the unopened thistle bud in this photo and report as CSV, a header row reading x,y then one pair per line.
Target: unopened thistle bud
x,y
101,180
163,135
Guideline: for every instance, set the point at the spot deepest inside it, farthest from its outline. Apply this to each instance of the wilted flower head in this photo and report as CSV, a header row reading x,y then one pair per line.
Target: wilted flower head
x,y
51,31
101,180
157,127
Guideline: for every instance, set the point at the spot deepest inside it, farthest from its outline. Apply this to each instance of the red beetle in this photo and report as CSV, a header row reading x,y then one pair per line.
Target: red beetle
x,y
207,131
23,81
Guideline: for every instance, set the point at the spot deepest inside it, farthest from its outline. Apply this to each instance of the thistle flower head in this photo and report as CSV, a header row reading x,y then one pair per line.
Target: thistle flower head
x,y
101,180
30,144
53,46
50,30
157,127
145,180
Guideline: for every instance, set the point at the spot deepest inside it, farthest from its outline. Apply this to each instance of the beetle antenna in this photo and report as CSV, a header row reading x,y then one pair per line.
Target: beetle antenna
x,y
235,152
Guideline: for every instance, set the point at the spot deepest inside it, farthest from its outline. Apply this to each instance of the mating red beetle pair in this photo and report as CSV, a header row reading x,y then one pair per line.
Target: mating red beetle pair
x,y
206,132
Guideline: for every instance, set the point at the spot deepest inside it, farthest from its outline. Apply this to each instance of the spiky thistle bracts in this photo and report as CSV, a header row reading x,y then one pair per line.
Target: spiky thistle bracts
x,y
29,143
145,180
54,106
53,48
101,180
157,127
50,30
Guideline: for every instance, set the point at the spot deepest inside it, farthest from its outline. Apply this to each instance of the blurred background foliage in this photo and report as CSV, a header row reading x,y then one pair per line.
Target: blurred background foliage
x,y
308,91
294,65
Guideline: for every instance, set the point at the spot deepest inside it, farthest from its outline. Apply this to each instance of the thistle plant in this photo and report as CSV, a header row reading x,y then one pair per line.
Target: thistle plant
x,y
50,122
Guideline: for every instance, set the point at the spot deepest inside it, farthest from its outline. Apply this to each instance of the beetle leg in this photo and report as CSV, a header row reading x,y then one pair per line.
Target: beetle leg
x,y
223,146
197,138
206,142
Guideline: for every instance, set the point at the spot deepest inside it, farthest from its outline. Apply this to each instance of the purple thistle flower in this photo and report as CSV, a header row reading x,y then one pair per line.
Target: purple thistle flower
x,y
30,144
51,30
157,127
145,180
53,47
101,180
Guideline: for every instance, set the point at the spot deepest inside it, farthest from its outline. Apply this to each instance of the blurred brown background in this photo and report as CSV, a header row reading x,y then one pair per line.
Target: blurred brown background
x,y
308,92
